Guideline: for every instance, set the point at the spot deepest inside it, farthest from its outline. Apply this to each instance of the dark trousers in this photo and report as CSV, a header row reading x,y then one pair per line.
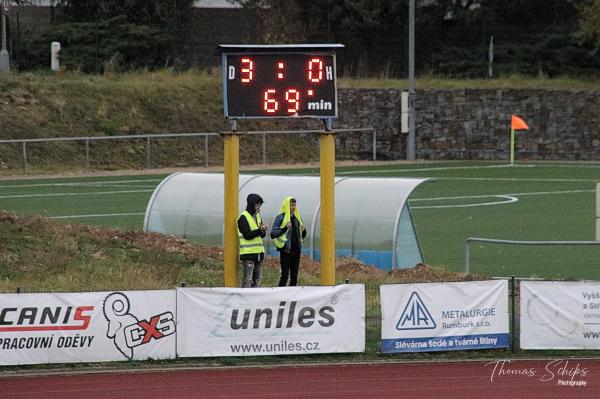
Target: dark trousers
x,y
290,263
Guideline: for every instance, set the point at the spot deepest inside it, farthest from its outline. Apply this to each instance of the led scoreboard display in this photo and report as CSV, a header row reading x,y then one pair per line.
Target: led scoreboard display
x,y
279,81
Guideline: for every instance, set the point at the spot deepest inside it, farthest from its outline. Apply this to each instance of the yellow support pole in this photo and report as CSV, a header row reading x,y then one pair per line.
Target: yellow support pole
x,y
232,169
327,149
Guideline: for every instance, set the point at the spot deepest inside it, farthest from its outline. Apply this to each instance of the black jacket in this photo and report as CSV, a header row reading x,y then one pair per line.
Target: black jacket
x,y
245,227
293,243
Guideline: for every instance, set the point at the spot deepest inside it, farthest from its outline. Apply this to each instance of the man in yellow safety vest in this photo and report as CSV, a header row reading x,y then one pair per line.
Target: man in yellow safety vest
x,y
251,232
288,232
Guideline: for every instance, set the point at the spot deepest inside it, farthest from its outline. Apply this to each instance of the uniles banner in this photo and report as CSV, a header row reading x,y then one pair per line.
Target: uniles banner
x,y
444,316
270,321
87,327
560,315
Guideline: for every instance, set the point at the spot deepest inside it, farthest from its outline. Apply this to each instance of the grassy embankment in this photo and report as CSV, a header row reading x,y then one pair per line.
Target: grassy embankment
x,y
72,104
40,255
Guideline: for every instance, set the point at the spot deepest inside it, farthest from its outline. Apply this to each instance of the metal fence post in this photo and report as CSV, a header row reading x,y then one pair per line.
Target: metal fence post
x,y
148,138
264,148
513,300
87,154
206,150
25,156
467,256
374,145
148,152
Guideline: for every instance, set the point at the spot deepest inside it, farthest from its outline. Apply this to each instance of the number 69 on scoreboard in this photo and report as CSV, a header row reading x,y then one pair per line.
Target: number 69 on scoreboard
x,y
279,81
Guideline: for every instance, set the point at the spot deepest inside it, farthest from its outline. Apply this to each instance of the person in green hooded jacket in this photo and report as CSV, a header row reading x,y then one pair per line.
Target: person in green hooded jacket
x,y
287,232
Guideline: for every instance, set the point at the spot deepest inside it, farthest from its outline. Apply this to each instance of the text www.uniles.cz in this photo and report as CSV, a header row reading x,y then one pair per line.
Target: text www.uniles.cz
x,y
281,347
591,334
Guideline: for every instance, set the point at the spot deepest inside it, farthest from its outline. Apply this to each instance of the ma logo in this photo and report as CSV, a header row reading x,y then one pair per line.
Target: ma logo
x,y
415,315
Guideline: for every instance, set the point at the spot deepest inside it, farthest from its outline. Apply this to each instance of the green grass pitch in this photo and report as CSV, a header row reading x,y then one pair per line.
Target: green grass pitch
x,y
464,199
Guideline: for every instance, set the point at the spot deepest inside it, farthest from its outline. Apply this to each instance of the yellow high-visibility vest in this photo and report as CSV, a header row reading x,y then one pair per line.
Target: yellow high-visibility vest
x,y
285,210
255,245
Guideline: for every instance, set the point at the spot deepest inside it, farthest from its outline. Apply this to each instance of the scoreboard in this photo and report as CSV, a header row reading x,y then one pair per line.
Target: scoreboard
x,y
279,81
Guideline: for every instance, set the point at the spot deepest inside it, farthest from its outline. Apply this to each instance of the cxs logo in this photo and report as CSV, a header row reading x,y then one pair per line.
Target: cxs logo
x,y
158,327
126,331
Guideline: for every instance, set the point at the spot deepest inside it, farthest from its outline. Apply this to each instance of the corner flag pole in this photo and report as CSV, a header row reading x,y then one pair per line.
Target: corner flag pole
x,y
512,146
516,123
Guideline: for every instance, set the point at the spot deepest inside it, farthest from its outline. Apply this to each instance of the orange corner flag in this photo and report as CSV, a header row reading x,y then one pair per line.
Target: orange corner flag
x,y
517,123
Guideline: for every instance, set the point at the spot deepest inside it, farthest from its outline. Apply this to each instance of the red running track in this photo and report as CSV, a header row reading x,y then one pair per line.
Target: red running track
x,y
509,380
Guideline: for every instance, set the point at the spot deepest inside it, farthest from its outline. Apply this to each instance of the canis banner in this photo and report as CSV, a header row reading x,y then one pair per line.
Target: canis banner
x,y
87,327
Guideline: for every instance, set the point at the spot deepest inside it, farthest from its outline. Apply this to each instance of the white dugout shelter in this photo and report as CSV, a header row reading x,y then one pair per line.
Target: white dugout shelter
x,y
372,215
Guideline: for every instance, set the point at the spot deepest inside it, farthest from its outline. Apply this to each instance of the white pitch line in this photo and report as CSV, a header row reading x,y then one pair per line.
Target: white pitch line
x,y
115,185
97,215
553,192
74,194
572,166
356,172
508,200
515,179
497,195
79,184
457,197
511,198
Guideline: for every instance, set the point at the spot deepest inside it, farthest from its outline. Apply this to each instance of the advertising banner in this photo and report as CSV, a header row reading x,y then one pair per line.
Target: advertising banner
x,y
444,316
560,315
270,321
87,327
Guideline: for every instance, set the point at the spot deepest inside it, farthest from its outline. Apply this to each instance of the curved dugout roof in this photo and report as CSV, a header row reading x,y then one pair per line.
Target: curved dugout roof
x,y
373,219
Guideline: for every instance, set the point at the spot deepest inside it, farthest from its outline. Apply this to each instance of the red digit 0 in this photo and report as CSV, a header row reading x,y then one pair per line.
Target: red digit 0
x,y
292,96
270,105
315,70
248,72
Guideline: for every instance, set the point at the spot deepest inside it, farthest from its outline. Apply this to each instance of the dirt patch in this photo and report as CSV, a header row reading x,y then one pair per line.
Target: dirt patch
x,y
423,273
355,270
156,241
